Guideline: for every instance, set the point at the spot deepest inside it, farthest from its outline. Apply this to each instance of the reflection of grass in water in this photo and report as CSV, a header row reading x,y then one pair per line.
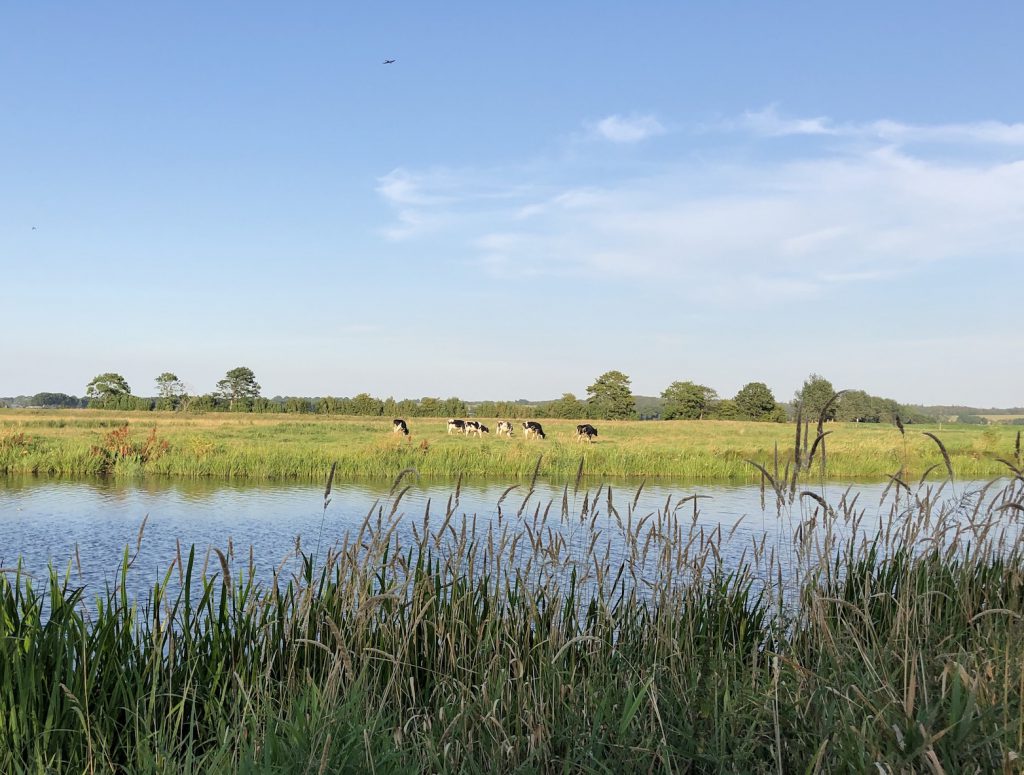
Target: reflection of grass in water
x,y
526,644
276,446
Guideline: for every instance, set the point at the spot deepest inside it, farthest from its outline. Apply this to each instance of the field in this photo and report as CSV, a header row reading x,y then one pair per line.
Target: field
x,y
92,442
1002,418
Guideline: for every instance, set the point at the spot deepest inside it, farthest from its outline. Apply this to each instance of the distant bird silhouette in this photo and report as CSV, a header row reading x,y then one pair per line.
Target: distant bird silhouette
x,y
387,61
33,228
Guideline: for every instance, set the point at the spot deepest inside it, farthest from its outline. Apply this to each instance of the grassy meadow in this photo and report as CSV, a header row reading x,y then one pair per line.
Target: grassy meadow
x,y
545,641
93,442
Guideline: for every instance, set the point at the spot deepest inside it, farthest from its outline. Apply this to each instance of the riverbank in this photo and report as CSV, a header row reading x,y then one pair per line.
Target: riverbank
x,y
303,447
515,648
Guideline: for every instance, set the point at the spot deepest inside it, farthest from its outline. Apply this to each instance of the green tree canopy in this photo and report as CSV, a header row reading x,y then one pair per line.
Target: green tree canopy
x,y
407,407
430,406
169,386
366,405
814,395
55,399
687,401
859,406
204,403
484,409
726,409
568,407
106,386
610,398
756,401
328,405
454,407
512,409
855,406
971,419
239,386
297,405
885,409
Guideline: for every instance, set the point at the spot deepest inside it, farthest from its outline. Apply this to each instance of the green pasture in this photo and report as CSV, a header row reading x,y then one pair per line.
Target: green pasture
x,y
89,442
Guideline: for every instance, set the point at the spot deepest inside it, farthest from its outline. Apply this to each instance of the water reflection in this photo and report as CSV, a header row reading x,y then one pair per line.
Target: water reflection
x,y
85,525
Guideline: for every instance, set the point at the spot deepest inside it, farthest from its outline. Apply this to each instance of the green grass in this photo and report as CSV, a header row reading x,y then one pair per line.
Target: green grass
x,y
502,646
65,443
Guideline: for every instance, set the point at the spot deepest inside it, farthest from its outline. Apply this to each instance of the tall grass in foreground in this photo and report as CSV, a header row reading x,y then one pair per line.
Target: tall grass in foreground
x,y
579,635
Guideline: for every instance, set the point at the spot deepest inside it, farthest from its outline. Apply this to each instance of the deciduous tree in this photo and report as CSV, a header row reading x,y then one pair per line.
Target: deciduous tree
x,y
430,406
610,398
855,406
726,409
296,405
55,399
109,385
814,395
169,386
568,407
238,387
170,391
756,401
366,405
686,401
454,407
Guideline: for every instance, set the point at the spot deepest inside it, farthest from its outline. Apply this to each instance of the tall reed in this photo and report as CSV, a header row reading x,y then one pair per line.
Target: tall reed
x,y
577,634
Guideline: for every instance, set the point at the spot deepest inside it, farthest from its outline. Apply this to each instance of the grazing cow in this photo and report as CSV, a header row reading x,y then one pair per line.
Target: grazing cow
x,y
474,426
456,426
399,426
586,431
531,428
504,428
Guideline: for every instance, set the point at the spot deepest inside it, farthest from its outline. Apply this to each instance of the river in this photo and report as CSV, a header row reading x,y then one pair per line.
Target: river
x,y
85,525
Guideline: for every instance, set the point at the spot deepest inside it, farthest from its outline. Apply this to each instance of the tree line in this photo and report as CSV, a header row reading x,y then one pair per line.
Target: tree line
x,y
608,398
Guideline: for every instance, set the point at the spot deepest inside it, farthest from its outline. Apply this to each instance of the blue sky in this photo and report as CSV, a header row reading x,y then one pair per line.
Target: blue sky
x,y
528,197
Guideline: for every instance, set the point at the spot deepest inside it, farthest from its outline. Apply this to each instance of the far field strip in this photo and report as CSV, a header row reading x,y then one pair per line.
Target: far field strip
x,y
294,446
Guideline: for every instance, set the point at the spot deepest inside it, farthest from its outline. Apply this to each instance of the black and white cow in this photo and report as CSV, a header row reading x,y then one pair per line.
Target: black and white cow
x,y
504,428
531,428
586,432
474,426
456,426
399,426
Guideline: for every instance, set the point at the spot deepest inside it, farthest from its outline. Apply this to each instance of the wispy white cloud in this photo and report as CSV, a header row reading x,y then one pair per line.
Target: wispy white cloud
x,y
399,187
768,230
411,222
626,129
982,132
769,122
432,200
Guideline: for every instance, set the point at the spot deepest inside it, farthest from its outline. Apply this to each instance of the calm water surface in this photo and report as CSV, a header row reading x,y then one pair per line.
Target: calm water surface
x,y
86,524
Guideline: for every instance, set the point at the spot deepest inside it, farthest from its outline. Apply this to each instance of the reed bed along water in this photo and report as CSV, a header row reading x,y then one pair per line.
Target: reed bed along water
x,y
573,635
92,442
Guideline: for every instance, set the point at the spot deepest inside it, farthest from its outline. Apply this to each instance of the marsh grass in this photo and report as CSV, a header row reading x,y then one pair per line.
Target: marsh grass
x,y
274,447
576,635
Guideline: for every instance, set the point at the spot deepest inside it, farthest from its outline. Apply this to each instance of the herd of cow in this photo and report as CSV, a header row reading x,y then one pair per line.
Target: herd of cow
x,y
531,428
